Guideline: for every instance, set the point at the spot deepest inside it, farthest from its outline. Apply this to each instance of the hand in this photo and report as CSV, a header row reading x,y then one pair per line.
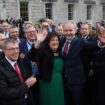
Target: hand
x,y
41,35
30,81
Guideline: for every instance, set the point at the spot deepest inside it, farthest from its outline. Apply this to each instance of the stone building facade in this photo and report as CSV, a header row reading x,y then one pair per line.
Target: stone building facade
x,y
58,10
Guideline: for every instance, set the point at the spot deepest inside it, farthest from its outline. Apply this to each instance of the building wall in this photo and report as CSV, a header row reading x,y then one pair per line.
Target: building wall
x,y
60,13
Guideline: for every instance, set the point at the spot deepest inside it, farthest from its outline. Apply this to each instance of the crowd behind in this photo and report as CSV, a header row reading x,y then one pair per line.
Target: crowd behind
x,y
47,64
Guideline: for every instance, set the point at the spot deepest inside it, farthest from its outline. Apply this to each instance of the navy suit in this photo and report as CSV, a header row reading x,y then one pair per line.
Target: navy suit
x,y
74,72
24,49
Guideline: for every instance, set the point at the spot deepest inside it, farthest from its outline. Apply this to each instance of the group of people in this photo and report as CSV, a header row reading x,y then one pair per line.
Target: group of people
x,y
52,66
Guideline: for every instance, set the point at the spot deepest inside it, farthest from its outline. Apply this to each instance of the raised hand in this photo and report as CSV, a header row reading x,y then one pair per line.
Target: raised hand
x,y
41,35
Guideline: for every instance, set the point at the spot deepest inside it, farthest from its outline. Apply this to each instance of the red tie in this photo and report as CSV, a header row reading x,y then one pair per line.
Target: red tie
x,y
20,76
66,48
18,72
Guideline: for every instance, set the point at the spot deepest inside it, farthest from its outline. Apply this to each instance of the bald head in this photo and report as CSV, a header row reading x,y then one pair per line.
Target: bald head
x,y
69,30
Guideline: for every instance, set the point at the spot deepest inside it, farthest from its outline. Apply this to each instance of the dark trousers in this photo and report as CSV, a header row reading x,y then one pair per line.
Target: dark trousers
x,y
89,90
35,93
99,88
75,94
26,101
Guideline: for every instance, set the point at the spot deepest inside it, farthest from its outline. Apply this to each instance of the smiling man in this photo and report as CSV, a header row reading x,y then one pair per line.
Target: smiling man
x,y
14,79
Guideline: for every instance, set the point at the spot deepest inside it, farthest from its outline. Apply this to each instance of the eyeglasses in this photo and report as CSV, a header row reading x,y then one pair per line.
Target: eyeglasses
x,y
31,32
13,49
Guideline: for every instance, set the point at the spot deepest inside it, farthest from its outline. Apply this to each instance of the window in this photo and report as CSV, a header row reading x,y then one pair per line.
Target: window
x,y
89,10
48,7
70,11
104,12
24,10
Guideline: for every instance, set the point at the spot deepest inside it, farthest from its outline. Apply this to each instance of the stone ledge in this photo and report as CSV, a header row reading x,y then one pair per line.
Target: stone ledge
x,y
71,1
89,2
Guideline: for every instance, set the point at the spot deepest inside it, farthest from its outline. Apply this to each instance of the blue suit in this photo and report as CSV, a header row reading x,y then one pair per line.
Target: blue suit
x,y
24,49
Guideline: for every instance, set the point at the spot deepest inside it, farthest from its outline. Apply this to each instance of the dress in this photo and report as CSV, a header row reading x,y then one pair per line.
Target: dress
x,y
52,93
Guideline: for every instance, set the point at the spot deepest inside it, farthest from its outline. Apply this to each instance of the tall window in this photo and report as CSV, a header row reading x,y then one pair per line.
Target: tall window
x,y
70,11
89,11
24,10
104,12
48,7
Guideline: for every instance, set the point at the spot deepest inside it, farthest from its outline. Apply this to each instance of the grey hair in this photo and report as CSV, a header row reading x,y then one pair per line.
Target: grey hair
x,y
73,23
9,40
27,27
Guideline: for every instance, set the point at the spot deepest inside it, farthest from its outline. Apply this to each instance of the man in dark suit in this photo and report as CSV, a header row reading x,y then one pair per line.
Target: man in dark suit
x,y
25,46
99,70
87,55
15,82
74,73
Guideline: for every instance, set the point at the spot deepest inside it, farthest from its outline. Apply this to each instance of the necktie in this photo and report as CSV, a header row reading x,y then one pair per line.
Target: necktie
x,y
18,72
66,48
20,76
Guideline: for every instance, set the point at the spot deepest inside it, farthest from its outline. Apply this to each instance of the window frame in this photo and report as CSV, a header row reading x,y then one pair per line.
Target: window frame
x,y
49,10
24,10
89,12
71,12
103,11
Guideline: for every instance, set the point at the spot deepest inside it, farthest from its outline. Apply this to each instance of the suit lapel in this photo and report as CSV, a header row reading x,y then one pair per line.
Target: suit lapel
x,y
25,47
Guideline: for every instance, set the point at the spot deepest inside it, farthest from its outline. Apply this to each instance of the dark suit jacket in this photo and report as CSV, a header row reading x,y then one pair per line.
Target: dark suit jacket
x,y
12,91
73,64
24,49
87,56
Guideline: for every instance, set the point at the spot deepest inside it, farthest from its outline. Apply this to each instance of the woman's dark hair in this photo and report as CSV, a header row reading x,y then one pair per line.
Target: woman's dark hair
x,y
49,37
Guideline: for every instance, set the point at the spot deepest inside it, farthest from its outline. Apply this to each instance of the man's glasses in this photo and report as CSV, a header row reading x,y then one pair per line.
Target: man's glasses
x,y
13,49
30,31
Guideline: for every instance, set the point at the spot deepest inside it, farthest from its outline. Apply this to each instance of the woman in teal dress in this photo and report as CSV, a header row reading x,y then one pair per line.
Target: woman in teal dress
x,y
47,54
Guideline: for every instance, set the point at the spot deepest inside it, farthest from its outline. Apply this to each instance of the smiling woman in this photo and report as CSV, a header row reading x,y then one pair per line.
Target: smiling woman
x,y
48,56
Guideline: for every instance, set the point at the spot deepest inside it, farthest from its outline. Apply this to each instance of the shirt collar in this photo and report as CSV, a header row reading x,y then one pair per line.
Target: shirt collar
x,y
11,62
30,42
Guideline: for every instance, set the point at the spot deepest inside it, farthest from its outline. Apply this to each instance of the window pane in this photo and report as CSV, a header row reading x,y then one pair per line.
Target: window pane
x,y
48,7
24,10
70,11
89,9
103,12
